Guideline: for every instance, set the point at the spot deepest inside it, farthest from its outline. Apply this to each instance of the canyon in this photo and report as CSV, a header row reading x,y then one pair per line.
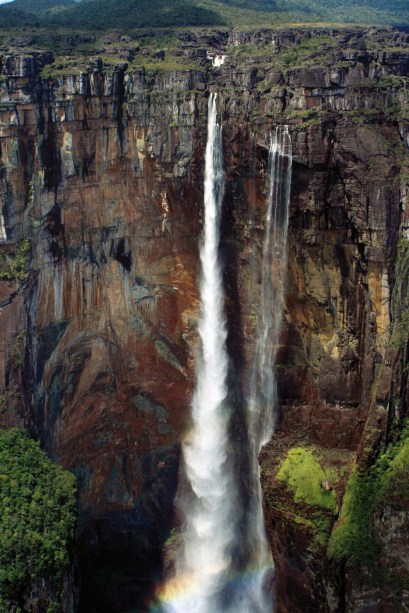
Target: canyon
x,y
101,187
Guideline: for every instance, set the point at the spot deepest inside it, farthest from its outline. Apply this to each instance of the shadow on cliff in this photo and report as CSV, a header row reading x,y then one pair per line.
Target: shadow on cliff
x,y
116,559
231,246
120,552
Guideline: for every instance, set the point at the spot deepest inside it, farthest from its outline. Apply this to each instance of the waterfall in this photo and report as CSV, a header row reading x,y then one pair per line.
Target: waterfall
x,y
3,234
262,402
209,528
208,579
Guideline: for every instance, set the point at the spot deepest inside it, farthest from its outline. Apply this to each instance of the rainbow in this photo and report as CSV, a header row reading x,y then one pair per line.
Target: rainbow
x,y
182,592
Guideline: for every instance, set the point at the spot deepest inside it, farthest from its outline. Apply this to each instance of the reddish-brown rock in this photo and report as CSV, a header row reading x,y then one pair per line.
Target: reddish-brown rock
x,y
103,172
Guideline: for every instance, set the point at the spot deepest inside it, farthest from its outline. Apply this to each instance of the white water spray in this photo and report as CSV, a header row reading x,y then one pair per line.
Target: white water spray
x,y
209,530
262,404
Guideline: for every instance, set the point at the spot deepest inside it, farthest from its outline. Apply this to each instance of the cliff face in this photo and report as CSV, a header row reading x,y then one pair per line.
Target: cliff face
x,y
103,172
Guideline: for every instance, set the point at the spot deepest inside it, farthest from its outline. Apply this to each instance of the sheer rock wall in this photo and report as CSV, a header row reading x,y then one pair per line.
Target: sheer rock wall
x,y
103,173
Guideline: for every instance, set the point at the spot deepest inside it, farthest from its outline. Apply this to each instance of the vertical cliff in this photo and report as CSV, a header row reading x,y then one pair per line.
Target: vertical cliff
x,y
102,203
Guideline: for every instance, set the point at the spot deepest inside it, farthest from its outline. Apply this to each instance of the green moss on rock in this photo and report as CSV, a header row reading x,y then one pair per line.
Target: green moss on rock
x,y
311,502
354,539
305,476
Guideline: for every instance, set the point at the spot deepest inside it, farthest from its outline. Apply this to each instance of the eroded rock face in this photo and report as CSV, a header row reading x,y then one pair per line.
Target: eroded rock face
x,y
104,172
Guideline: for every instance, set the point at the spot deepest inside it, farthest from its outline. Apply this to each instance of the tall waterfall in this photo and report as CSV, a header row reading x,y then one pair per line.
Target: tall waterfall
x,y
208,579
209,532
262,402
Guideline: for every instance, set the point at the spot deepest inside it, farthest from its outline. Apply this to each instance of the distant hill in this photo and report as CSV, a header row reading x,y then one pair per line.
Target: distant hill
x,y
380,12
108,14
38,6
11,18
100,14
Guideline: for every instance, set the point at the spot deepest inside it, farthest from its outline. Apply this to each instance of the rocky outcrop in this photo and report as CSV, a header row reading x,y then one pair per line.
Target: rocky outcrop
x,y
102,171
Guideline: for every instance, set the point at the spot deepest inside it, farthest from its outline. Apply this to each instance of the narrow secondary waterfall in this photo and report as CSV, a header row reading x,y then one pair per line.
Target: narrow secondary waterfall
x,y
209,529
262,402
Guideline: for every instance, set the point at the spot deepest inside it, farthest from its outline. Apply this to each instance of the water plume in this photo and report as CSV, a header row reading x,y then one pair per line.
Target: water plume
x,y
209,530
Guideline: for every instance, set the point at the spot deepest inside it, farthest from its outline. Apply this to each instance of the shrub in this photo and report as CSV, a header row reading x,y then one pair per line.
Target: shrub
x,y
13,265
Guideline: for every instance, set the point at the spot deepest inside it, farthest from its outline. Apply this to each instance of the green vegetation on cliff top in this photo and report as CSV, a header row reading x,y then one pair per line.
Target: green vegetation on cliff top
x,y
108,14
37,518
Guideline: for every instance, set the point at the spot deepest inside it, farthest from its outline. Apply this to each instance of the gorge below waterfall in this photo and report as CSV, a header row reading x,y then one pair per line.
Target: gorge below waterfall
x,y
126,306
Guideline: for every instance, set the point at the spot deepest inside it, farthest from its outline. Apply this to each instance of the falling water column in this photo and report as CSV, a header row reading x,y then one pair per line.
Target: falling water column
x,y
262,403
208,533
